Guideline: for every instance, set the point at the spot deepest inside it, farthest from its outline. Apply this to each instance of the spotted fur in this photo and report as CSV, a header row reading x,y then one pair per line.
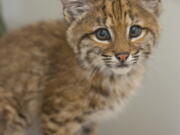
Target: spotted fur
x,y
60,74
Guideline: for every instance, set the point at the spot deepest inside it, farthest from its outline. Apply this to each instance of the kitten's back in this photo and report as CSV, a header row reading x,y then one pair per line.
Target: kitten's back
x,y
26,56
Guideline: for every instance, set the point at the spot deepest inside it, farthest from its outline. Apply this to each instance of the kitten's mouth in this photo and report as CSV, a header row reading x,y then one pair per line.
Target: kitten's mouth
x,y
122,66
119,66
121,69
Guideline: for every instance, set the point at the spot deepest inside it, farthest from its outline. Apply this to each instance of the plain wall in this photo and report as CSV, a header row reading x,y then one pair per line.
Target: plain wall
x,y
21,12
155,110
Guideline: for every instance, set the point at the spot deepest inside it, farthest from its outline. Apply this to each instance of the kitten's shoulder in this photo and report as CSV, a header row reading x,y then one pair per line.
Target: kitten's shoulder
x,y
30,40
31,47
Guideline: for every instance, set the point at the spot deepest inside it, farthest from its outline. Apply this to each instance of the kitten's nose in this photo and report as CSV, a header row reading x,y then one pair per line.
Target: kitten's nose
x,y
123,56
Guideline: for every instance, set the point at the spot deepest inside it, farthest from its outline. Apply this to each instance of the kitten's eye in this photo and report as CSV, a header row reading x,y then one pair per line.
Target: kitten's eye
x,y
135,31
103,34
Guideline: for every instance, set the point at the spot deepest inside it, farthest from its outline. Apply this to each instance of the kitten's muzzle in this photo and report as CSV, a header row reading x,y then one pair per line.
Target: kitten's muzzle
x,y
122,57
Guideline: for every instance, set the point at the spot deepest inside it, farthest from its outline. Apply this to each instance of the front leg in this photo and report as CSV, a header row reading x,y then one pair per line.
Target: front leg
x,y
60,117
12,119
65,112
60,124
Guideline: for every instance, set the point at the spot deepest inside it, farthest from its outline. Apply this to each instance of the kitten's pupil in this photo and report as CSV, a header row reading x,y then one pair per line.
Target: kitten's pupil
x,y
103,34
135,31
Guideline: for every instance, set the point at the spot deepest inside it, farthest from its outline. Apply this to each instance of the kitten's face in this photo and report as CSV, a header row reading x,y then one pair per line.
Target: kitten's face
x,y
111,36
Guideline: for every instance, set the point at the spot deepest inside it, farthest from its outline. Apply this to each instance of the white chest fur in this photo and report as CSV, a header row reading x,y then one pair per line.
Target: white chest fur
x,y
121,89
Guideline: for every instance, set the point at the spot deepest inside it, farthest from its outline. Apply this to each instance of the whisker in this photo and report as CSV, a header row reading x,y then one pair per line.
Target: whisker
x,y
137,52
104,55
135,57
107,59
109,65
146,53
110,62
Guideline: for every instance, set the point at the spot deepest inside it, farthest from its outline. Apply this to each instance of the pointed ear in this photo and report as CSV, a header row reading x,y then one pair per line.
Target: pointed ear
x,y
154,6
74,8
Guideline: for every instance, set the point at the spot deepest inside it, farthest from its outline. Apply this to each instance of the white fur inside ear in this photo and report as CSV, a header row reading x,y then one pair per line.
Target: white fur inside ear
x,y
74,8
152,5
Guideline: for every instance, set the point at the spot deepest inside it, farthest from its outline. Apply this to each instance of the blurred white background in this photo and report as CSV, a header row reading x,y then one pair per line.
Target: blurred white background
x,y
156,108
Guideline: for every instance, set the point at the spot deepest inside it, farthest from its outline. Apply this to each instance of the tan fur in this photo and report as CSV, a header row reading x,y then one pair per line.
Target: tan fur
x,y
67,85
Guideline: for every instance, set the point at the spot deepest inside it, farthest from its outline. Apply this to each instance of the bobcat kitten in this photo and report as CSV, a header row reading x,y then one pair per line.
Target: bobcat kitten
x,y
69,74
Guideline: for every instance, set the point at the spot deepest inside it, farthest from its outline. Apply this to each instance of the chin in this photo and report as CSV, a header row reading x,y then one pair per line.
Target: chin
x,y
121,70
117,71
